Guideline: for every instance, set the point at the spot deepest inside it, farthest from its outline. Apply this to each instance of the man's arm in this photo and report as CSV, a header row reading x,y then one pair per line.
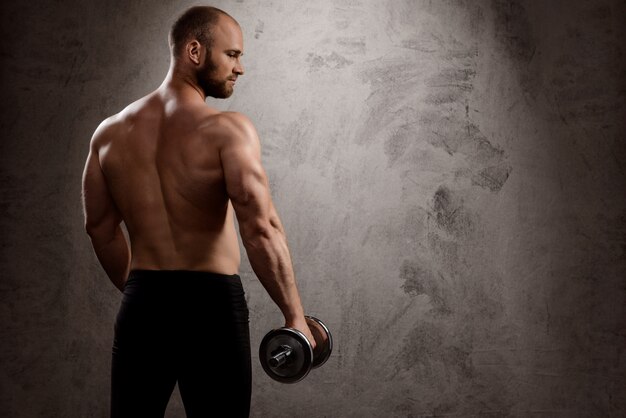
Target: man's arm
x,y
102,220
261,231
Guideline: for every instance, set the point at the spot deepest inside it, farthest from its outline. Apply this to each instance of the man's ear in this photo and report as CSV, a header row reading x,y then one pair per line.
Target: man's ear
x,y
193,51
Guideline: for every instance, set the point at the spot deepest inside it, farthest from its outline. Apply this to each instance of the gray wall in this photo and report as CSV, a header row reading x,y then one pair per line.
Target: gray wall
x,y
450,175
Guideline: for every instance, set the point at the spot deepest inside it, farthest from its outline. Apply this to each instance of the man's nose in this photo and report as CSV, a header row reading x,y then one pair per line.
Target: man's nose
x,y
238,69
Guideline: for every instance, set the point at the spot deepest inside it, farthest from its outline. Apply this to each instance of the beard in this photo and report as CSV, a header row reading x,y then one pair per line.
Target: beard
x,y
210,84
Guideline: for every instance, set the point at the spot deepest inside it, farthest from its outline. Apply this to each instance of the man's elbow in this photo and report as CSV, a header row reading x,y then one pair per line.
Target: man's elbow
x,y
89,228
256,233
99,232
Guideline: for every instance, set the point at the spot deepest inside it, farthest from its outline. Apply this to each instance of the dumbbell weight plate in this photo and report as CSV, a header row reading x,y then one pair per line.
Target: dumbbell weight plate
x,y
323,338
298,363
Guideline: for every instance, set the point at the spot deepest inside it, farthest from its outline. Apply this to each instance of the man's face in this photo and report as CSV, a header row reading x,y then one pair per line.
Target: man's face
x,y
222,65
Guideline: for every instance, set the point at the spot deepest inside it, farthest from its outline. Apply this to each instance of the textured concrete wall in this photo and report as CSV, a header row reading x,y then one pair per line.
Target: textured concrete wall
x,y
450,175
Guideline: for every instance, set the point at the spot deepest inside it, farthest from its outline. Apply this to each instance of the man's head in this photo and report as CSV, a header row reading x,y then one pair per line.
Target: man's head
x,y
207,43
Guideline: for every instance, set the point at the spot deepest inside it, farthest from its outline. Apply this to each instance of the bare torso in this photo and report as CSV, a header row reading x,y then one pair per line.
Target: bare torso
x,y
163,169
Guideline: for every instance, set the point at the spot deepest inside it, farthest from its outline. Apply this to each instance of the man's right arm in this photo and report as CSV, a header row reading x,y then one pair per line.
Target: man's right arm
x,y
261,231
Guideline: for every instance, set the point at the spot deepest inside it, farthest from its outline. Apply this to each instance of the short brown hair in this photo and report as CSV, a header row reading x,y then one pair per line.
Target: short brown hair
x,y
195,23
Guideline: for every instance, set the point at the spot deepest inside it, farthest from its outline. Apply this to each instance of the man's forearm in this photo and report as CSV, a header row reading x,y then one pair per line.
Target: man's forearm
x,y
114,255
270,259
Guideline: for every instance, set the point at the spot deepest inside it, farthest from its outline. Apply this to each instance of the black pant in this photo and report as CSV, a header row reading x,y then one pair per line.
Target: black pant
x,y
185,326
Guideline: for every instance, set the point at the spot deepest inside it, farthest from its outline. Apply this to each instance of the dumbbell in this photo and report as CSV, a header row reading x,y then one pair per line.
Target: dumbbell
x,y
286,354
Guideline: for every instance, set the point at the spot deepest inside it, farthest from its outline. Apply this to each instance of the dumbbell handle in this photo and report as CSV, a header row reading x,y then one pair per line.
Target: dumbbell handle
x,y
280,355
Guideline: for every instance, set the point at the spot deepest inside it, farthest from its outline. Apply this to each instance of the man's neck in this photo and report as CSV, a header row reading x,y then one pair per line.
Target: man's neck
x,y
182,85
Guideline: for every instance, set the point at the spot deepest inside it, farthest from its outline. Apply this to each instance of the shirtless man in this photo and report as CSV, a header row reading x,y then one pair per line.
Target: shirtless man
x,y
176,172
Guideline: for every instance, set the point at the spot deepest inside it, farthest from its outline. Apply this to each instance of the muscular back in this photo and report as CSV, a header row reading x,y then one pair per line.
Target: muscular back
x,y
161,162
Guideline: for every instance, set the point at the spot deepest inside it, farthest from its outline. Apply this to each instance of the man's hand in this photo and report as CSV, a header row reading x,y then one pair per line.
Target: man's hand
x,y
303,327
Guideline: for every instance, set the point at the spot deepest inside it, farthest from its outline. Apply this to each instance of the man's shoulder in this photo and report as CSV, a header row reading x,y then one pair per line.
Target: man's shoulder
x,y
233,120
117,123
105,130
233,126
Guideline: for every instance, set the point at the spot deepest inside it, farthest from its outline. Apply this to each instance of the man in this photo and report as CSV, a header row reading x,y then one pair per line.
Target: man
x,y
176,171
